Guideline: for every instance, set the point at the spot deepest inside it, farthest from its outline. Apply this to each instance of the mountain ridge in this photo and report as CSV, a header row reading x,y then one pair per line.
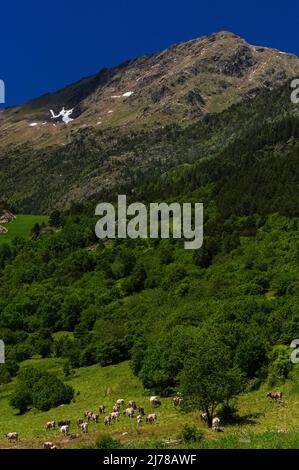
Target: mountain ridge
x,y
178,84
232,93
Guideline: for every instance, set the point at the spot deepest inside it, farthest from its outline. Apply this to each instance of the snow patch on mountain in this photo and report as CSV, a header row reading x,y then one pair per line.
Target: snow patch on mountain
x,y
64,114
127,94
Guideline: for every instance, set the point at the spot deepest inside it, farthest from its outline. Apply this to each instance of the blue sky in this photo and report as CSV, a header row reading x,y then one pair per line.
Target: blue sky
x,y
47,45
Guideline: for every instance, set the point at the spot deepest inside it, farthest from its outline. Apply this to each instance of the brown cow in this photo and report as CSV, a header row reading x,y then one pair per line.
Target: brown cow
x,y
151,418
154,401
84,427
48,445
95,417
50,425
12,436
275,395
129,412
107,420
177,400
114,415
132,404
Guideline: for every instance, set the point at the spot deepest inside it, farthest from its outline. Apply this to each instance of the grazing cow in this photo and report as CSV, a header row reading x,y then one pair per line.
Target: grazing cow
x,y
120,402
132,404
64,429
102,409
48,445
107,420
204,417
154,401
95,417
129,412
140,410
151,418
50,425
177,400
84,427
139,420
79,421
275,395
12,436
65,422
114,415
116,408
215,423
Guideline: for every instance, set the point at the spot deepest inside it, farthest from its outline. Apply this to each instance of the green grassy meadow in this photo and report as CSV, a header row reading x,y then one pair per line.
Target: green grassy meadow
x,y
21,227
261,423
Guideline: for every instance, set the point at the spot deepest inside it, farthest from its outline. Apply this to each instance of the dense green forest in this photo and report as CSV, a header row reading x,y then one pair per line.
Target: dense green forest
x,y
246,155
211,322
154,302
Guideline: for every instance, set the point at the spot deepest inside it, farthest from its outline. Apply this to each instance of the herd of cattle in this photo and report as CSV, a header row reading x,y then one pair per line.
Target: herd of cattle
x,y
113,416
129,412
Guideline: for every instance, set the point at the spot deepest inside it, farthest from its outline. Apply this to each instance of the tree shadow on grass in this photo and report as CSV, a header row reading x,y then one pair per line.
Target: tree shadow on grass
x,y
230,415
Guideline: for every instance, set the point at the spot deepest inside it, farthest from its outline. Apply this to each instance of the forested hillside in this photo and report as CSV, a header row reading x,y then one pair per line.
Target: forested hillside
x,y
209,324
238,153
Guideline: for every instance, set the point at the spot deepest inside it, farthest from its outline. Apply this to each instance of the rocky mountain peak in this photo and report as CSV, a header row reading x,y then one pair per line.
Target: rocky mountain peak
x,y
179,84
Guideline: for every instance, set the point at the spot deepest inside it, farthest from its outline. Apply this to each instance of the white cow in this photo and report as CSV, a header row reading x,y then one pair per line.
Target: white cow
x,y
215,423
12,436
114,415
154,401
84,427
129,412
64,429
132,404
151,418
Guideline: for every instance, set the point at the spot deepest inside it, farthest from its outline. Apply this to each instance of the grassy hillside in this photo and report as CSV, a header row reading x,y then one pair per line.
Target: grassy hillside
x,y
261,423
21,227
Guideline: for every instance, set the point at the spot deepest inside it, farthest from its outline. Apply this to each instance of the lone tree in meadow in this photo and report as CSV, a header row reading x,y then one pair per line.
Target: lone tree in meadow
x,y
208,377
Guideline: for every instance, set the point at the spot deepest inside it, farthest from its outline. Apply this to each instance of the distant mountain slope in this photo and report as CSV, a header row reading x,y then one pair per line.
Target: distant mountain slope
x,y
179,84
146,118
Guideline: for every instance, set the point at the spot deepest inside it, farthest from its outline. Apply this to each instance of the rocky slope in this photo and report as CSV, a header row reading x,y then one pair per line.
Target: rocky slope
x,y
128,122
179,84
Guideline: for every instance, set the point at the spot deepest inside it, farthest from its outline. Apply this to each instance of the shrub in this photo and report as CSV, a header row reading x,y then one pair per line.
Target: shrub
x,y
107,442
190,434
41,390
50,392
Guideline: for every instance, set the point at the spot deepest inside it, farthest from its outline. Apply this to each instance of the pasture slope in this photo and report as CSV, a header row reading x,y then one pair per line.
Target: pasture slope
x,y
21,227
261,423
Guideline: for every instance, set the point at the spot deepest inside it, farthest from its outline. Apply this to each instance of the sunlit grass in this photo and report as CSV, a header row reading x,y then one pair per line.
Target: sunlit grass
x,y
21,227
263,423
